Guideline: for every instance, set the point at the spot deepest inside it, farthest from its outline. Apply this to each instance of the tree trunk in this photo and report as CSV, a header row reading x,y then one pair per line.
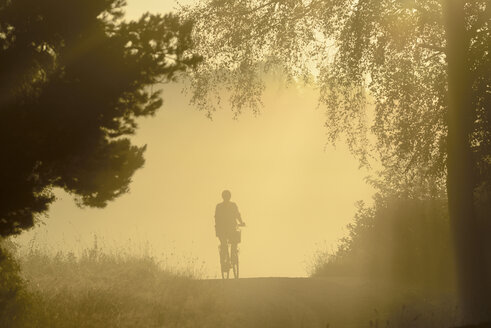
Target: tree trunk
x,y
473,278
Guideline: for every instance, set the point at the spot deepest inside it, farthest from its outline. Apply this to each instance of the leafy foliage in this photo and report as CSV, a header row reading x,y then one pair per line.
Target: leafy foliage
x,y
402,240
14,298
387,55
74,78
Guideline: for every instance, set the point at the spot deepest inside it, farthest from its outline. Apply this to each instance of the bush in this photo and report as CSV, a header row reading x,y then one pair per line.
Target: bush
x,y
405,240
14,299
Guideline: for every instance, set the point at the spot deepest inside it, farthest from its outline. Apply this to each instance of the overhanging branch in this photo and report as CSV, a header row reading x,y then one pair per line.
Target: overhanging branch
x,y
432,47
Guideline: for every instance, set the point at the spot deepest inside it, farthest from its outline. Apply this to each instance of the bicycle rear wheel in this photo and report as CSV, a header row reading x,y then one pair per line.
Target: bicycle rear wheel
x,y
224,262
235,262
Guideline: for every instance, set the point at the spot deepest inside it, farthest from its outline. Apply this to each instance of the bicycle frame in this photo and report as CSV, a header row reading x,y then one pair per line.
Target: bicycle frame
x,y
229,259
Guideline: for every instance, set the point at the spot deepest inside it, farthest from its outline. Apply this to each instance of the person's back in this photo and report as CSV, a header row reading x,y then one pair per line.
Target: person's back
x,y
226,217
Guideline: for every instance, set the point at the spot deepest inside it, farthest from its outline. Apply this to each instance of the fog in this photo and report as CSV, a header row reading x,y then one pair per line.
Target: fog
x,y
114,194
295,193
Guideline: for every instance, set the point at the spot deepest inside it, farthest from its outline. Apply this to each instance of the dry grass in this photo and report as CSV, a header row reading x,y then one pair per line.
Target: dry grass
x,y
99,289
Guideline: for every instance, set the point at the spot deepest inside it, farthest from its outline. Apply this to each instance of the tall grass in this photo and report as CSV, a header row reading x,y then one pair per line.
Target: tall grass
x,y
97,288
100,289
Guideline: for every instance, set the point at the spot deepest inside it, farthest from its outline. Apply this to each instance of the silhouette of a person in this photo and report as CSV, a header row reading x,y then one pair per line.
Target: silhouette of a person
x,y
226,218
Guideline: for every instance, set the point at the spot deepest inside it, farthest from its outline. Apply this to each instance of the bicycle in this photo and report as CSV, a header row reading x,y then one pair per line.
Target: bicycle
x,y
230,260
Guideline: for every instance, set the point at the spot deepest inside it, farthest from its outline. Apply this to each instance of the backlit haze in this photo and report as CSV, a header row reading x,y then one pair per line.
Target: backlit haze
x,y
294,192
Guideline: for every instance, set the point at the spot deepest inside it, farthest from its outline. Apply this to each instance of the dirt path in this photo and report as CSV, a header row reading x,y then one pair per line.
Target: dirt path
x,y
322,302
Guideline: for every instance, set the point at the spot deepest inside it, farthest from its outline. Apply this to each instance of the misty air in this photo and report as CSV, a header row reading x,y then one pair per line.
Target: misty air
x,y
248,164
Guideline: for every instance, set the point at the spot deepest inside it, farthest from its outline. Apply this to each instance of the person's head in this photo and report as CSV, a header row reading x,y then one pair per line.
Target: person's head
x,y
226,195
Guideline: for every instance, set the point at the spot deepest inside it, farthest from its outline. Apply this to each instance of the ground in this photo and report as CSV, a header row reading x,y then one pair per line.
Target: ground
x,y
328,302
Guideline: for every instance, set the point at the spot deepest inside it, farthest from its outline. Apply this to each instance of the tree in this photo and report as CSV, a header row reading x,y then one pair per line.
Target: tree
x,y
74,78
424,65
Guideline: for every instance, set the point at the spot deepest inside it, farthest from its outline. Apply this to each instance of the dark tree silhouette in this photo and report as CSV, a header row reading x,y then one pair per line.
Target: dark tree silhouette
x,y
74,76
424,65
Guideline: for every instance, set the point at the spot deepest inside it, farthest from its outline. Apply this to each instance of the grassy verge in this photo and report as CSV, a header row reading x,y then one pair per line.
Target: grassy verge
x,y
98,289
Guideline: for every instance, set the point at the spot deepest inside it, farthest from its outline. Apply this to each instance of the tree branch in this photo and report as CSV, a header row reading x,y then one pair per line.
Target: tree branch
x,y
432,47
253,10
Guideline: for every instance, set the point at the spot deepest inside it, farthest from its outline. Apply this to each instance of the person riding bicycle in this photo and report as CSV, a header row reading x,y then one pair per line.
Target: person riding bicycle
x,y
226,218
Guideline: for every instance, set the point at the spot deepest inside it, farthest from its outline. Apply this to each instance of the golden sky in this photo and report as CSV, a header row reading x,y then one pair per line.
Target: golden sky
x,y
294,193
137,7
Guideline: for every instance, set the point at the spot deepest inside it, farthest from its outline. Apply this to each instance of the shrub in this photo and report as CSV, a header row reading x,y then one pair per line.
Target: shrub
x,y
14,299
406,240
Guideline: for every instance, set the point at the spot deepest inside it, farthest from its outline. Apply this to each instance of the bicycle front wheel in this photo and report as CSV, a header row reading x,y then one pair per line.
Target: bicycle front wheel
x,y
236,270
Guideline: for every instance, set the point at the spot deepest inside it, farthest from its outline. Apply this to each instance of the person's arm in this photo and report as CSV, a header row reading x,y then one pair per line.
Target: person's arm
x,y
216,210
239,217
